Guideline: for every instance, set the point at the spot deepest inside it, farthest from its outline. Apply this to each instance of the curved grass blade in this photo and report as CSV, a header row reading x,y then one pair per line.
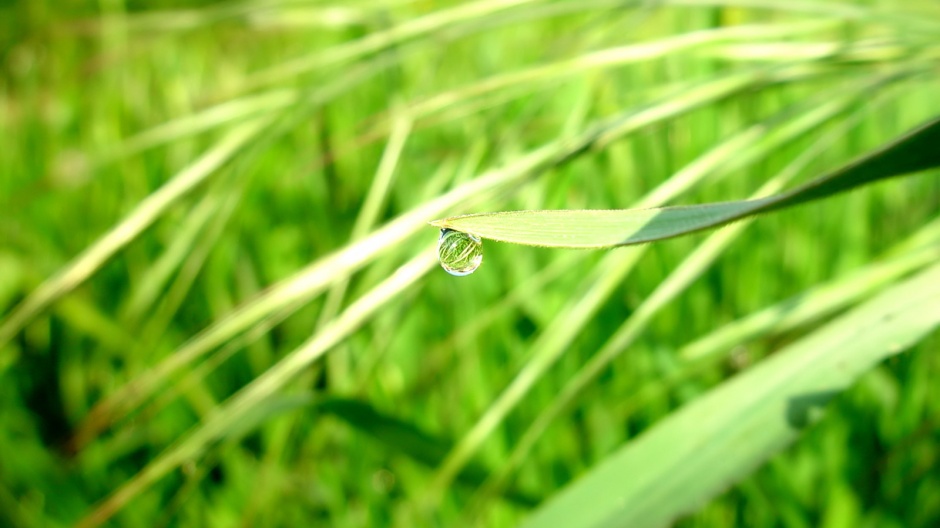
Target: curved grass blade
x,y
595,229
706,446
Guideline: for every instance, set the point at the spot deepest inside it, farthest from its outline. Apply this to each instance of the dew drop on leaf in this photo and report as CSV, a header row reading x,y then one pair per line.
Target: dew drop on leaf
x,y
460,253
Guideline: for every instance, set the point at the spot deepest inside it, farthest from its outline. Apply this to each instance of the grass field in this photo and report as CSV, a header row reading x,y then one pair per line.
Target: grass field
x,y
220,302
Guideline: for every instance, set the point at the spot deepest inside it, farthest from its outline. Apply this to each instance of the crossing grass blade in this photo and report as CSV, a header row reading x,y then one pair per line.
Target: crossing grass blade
x,y
610,58
711,443
140,219
810,306
597,229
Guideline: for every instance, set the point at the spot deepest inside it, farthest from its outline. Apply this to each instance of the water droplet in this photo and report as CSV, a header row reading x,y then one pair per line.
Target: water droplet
x,y
460,253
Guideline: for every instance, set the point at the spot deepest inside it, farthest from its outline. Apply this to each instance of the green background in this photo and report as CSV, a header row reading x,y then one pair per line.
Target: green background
x,y
348,115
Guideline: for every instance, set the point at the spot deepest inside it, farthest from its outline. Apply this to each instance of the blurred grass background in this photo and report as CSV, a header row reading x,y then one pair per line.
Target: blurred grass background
x,y
330,120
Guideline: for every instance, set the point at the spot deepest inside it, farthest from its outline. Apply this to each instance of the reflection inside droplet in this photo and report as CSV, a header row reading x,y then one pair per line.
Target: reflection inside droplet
x,y
460,253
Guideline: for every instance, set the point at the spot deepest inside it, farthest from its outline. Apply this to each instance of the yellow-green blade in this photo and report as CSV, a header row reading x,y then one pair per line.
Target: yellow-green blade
x,y
915,151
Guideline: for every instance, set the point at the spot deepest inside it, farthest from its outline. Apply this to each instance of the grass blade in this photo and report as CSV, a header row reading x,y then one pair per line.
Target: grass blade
x,y
595,229
808,306
141,218
711,443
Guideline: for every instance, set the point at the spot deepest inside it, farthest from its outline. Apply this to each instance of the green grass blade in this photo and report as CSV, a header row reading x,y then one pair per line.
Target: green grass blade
x,y
707,445
377,41
371,208
541,75
809,306
198,122
367,218
595,229
151,285
127,230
